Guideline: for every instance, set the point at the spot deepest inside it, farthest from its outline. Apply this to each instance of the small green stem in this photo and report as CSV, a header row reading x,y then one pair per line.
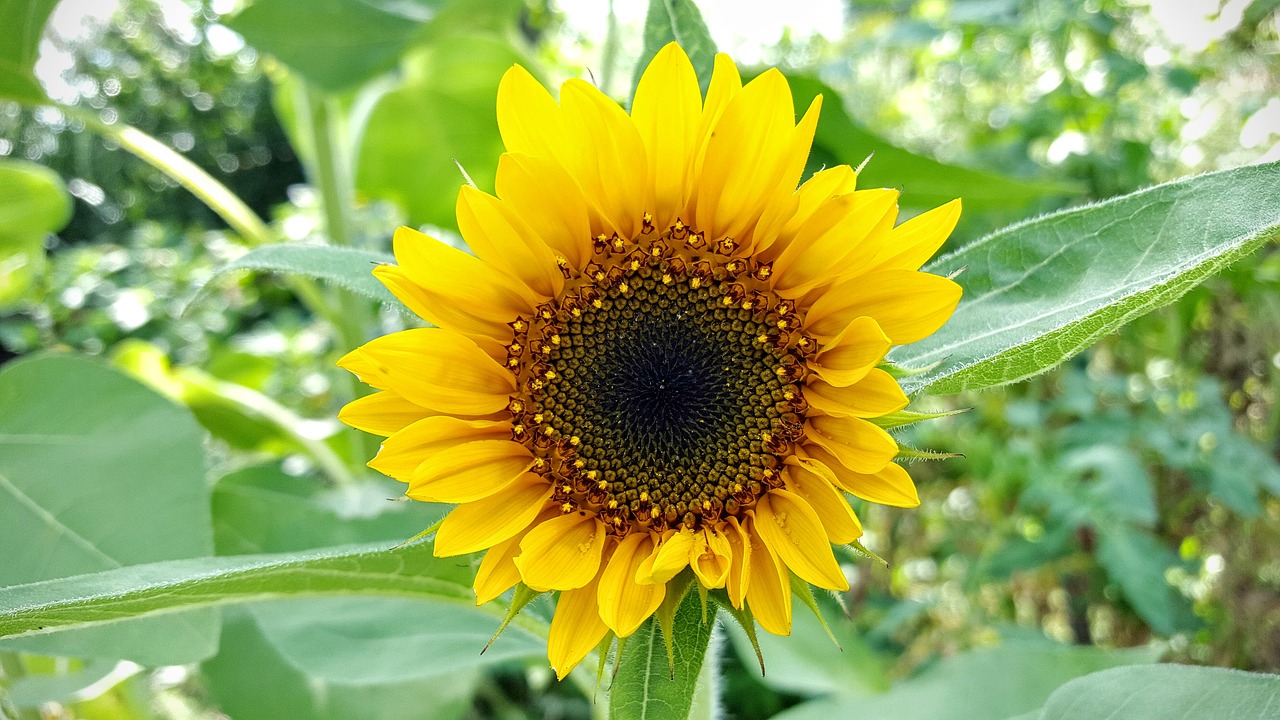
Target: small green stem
x,y
217,196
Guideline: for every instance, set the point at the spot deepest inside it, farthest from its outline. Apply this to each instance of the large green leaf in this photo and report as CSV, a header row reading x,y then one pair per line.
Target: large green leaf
x,y
925,182
988,684
647,687
1038,292
21,26
252,679
1136,561
103,597
1166,692
348,268
33,203
677,21
97,472
443,116
334,44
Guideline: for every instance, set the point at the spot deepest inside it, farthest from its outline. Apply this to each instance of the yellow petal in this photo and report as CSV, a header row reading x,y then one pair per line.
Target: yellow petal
x,y
836,234
916,240
562,553
624,603
791,528
402,453
382,413
740,567
452,289
851,355
856,443
478,525
833,510
541,192
769,588
469,471
813,194
735,182
783,201
501,238
711,557
612,167
498,572
725,85
529,120
436,368
890,485
667,110
874,395
907,305
667,559
576,628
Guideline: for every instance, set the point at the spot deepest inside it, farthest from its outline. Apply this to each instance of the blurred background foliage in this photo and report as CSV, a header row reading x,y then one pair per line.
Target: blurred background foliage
x,y
1124,499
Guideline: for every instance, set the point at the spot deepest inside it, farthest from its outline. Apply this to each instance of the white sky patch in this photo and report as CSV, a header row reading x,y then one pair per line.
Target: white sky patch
x,y
1194,24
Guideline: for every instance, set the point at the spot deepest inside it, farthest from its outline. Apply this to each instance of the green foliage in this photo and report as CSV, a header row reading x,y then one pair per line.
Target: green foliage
x,y
348,268
1039,292
335,44
1165,692
33,203
925,182
963,687
677,21
647,686
94,486
21,26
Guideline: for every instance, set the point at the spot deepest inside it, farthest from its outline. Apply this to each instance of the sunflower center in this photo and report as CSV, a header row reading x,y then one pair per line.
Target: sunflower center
x,y
660,391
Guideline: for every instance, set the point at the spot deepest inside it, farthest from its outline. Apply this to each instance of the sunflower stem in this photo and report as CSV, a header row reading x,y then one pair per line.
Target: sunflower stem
x,y
330,173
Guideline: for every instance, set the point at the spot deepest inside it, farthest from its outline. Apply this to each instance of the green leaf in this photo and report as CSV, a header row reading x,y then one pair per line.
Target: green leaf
x,y
1038,292
442,116
1166,692
677,21
254,679
644,688
261,509
987,684
21,27
128,592
33,203
348,268
925,182
34,690
808,663
1136,561
98,472
333,44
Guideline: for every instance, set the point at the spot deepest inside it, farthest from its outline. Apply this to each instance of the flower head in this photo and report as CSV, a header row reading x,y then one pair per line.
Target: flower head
x,y
663,362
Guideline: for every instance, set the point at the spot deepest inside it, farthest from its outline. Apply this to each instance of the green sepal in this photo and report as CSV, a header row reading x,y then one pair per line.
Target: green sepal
x,y
903,418
677,587
898,372
910,453
745,620
801,589
602,650
702,596
861,549
522,596
617,656
430,529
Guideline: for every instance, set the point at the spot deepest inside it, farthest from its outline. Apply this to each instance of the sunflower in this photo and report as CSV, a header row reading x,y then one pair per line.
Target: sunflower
x,y
663,363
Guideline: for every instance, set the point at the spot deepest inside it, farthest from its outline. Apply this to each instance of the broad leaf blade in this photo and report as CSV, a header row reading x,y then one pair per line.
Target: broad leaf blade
x,y
348,268
677,21
333,44
21,27
1166,692
97,472
644,688
128,592
1038,292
